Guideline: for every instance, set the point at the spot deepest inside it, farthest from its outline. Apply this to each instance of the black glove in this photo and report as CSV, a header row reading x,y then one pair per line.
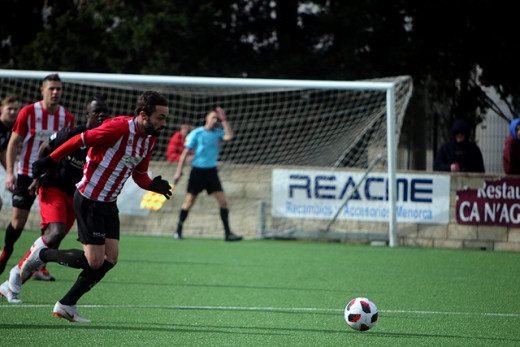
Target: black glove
x,y
160,186
39,167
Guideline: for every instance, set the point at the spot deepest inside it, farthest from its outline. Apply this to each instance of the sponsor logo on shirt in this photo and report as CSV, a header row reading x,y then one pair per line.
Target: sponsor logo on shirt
x,y
43,135
130,161
75,162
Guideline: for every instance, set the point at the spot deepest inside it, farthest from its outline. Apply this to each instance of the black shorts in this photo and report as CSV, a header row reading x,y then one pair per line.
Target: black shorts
x,y
201,179
21,197
96,220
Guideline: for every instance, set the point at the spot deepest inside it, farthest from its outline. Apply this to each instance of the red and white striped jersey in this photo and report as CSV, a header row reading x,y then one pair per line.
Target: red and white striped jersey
x,y
36,125
118,149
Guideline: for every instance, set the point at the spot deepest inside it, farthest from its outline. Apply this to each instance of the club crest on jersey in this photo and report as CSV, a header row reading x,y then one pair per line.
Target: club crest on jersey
x,y
130,161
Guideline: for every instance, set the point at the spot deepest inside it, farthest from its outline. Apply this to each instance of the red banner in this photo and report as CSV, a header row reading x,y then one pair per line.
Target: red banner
x,y
496,203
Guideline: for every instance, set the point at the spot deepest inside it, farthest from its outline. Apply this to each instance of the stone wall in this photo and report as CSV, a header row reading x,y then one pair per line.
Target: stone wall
x,y
248,188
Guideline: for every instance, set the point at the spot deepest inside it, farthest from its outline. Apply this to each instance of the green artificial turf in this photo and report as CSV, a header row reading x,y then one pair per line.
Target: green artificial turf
x,y
204,292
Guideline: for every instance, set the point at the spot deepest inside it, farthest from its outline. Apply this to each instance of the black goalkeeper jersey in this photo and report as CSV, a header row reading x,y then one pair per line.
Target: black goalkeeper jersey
x,y
69,170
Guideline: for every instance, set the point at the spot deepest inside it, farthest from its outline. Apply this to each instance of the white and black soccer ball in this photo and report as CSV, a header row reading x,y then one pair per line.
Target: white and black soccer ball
x,y
361,314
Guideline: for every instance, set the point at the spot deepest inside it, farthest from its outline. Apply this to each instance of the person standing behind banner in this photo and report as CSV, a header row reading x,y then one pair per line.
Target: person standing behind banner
x,y
459,154
9,111
205,141
511,156
35,123
176,145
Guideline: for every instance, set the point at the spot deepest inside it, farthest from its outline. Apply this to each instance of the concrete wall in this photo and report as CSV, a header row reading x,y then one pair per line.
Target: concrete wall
x,y
247,187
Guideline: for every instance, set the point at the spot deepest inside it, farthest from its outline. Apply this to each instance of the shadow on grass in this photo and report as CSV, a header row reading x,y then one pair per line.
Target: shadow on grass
x,y
244,309
202,285
221,329
229,286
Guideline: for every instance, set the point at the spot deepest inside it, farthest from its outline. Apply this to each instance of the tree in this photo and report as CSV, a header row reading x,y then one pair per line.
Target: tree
x,y
10,34
453,50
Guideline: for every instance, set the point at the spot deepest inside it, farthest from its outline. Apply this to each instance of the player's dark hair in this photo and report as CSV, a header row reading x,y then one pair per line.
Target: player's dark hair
x,y
96,97
148,101
52,77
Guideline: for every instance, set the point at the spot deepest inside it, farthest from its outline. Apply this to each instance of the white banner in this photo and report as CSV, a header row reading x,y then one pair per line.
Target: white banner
x,y
318,194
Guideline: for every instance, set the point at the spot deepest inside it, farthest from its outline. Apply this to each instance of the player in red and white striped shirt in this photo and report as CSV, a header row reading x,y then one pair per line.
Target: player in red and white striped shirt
x,y
121,147
119,150
35,123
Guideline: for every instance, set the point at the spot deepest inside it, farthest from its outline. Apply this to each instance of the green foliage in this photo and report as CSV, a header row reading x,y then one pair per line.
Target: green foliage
x,y
451,49
73,43
171,37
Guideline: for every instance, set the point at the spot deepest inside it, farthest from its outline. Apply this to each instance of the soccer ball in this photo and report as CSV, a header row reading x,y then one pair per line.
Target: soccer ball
x,y
361,314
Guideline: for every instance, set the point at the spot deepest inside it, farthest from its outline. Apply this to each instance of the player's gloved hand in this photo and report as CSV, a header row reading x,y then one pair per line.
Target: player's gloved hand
x,y
39,167
160,186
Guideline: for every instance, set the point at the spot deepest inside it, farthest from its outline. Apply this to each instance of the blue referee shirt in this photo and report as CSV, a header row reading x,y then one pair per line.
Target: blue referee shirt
x,y
206,145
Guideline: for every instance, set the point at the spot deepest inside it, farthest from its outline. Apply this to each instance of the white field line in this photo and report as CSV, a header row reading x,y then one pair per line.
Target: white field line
x,y
292,309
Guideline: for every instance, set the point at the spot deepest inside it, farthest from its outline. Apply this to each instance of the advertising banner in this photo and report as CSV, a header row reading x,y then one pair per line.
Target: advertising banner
x,y
318,194
496,203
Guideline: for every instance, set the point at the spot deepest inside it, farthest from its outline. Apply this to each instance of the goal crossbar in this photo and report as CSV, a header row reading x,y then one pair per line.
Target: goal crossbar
x,y
200,81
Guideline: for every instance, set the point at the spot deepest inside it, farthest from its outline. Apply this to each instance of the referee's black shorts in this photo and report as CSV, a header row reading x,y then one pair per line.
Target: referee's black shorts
x,y
96,220
204,179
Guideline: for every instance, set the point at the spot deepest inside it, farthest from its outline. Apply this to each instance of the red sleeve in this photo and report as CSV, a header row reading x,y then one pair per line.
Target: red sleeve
x,y
141,179
107,133
67,148
21,125
140,173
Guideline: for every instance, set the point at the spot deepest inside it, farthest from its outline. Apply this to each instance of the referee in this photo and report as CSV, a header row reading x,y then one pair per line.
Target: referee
x,y
205,142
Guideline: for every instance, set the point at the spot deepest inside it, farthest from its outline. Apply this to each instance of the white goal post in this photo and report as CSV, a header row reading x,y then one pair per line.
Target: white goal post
x,y
397,92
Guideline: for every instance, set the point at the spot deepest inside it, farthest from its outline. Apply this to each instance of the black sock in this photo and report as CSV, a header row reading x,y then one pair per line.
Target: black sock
x,y
11,236
70,257
87,279
182,217
224,215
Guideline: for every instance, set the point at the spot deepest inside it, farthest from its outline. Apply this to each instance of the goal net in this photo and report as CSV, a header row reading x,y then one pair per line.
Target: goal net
x,y
278,124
